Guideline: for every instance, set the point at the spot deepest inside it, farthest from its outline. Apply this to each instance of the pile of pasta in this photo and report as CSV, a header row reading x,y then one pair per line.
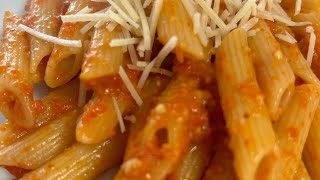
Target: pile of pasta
x,y
165,89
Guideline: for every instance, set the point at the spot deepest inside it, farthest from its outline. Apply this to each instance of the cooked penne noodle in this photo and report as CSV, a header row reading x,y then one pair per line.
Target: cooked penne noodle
x,y
39,147
100,113
311,152
293,126
101,59
42,16
105,118
52,106
294,56
248,123
65,62
155,150
179,26
274,74
82,161
193,164
16,89
301,172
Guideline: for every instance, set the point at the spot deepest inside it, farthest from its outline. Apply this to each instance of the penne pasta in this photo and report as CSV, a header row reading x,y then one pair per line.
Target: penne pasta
x,y
55,104
311,152
39,147
301,172
292,130
248,123
105,118
293,127
65,62
274,74
155,150
295,58
82,161
174,21
42,16
16,91
100,114
101,59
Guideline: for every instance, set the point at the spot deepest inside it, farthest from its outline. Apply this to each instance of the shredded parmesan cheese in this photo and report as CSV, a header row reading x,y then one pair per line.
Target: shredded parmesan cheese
x,y
85,10
213,15
286,37
123,14
123,42
145,25
55,40
153,70
119,115
297,8
131,11
145,74
87,27
166,50
130,86
131,49
131,118
312,43
85,17
196,23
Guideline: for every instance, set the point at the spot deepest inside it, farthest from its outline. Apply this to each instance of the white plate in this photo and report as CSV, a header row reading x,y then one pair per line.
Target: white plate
x,y
17,6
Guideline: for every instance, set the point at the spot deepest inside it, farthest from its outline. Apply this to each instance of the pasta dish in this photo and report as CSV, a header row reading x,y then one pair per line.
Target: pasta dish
x,y
161,89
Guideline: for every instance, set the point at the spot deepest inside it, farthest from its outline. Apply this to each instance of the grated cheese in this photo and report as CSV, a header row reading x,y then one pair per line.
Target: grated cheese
x,y
119,115
131,11
123,14
85,17
297,8
131,49
85,10
214,16
252,22
154,18
196,23
166,50
225,14
242,12
130,86
145,74
131,118
252,32
145,25
115,17
217,41
312,43
153,70
265,15
190,8
87,27
286,37
52,39
146,3
123,42
142,63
